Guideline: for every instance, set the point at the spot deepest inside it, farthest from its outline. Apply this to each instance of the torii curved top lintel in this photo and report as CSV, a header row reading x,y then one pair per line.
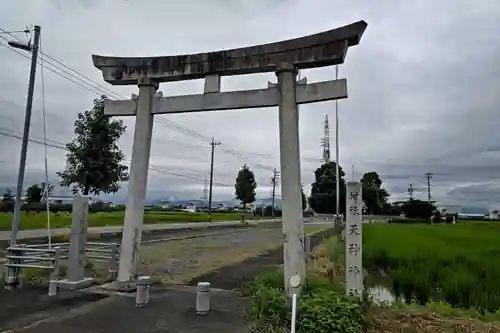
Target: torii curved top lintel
x,y
322,49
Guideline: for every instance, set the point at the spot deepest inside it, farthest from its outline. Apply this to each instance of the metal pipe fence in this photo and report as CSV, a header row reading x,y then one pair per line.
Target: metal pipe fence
x,y
45,257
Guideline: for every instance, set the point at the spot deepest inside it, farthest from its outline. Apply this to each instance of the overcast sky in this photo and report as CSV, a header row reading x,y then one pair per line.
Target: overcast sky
x,y
423,90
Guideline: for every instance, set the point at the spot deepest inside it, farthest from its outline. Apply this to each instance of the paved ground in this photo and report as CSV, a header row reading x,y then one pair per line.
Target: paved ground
x,y
226,260
171,311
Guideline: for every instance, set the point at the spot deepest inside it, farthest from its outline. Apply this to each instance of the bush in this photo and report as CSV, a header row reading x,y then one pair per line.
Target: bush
x,y
323,307
437,218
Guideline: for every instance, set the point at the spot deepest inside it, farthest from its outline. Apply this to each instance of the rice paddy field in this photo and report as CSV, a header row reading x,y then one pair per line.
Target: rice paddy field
x,y
34,220
458,264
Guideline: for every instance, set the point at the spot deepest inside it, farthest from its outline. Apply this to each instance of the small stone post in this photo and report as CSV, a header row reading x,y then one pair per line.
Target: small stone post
x,y
203,298
77,243
143,291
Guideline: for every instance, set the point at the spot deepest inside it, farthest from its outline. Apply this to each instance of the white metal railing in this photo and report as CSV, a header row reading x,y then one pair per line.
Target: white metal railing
x,y
21,256
49,257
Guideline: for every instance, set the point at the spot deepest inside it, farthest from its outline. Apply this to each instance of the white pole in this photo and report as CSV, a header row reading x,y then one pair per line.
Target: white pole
x,y
294,312
337,167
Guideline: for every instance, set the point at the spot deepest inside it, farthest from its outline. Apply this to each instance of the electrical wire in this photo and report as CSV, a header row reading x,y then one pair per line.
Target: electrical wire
x,y
97,88
47,184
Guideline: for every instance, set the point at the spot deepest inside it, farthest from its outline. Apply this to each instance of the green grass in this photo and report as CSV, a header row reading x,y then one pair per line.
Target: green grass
x,y
62,220
457,263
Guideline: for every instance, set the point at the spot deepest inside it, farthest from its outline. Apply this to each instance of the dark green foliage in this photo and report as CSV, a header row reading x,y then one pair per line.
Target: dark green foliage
x,y
323,196
436,217
245,186
304,203
94,162
323,306
34,193
7,203
418,209
8,195
374,196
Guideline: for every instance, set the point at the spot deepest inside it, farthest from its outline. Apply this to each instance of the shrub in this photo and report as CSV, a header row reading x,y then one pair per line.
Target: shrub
x,y
323,307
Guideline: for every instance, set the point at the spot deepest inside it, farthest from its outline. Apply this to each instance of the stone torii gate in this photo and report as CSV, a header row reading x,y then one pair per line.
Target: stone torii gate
x,y
284,58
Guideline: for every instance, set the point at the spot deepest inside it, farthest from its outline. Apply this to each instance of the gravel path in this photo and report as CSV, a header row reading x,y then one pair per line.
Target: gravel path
x,y
177,262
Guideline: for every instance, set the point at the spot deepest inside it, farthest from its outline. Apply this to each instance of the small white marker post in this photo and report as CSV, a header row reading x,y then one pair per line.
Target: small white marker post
x,y
354,240
295,282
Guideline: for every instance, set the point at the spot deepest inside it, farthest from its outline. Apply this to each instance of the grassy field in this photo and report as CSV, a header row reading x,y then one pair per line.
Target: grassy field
x,y
455,263
61,220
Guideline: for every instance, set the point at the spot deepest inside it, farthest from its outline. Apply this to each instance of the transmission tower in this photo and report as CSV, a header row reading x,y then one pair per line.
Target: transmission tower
x,y
429,177
325,141
410,191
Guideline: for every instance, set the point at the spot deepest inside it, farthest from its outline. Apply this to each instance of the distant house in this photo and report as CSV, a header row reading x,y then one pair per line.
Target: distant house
x,y
165,204
450,209
494,214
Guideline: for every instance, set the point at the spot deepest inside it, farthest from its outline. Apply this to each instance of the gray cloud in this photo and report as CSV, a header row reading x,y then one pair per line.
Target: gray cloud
x,y
422,89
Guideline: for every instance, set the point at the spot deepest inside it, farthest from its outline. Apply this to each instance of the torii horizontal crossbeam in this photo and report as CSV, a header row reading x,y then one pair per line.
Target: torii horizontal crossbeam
x,y
322,49
232,100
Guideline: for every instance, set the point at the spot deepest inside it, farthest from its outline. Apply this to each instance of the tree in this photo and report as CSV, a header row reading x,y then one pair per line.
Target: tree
x,y
418,209
8,196
245,186
94,162
323,191
47,190
7,204
34,194
374,197
304,203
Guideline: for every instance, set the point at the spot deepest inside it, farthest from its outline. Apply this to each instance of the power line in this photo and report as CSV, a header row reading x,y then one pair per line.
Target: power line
x,y
97,88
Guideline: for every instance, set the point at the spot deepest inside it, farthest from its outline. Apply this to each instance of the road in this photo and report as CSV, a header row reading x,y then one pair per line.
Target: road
x,y
36,233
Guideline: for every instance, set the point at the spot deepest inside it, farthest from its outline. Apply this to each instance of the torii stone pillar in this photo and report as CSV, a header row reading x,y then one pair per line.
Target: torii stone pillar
x,y
293,221
285,58
139,165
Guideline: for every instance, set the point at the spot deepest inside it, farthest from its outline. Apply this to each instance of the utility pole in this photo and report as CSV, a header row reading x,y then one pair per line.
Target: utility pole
x,y
274,179
213,144
27,121
429,177
410,191
337,165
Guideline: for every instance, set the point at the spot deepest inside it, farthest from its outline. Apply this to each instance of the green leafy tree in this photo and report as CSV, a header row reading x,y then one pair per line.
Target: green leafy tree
x,y
8,196
34,194
94,163
323,190
418,209
245,186
7,204
374,196
47,190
